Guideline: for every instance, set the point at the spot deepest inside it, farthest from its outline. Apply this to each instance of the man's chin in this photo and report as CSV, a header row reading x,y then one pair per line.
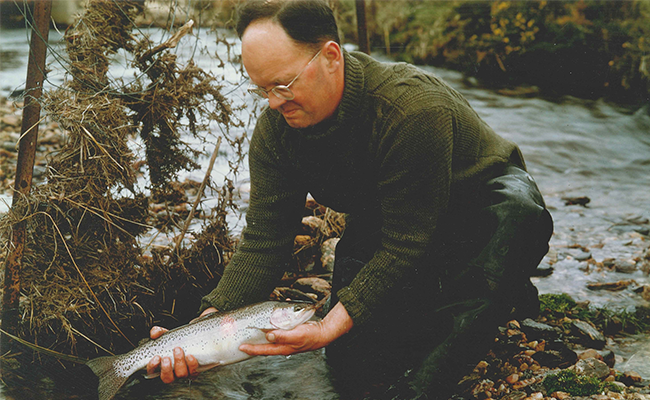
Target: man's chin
x,y
296,123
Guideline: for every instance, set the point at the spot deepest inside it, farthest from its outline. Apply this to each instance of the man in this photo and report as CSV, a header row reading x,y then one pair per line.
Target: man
x,y
443,229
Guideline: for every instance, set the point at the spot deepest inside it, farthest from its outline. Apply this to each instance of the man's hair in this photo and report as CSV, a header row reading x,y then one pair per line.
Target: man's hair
x,y
309,22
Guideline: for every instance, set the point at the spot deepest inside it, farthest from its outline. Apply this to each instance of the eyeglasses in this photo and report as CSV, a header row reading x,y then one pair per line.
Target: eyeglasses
x,y
280,91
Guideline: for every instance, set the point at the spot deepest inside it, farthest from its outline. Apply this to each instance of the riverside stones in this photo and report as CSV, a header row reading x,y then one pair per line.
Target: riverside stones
x,y
591,367
589,335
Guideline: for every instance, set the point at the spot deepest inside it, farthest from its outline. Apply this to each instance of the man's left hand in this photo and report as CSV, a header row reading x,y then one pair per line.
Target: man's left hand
x,y
306,337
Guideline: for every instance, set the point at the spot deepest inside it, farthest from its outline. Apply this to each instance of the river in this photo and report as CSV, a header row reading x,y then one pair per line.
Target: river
x,y
573,147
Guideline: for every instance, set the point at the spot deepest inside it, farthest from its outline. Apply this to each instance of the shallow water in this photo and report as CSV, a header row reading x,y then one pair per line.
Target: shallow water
x,y
573,148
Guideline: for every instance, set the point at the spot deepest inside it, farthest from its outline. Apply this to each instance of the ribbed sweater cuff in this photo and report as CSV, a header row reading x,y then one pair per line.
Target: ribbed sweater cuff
x,y
241,287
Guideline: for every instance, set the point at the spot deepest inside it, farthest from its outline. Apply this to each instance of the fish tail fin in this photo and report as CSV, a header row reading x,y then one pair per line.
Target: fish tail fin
x,y
110,381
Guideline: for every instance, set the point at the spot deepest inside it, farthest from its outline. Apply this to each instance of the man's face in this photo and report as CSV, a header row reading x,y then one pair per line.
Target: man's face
x,y
271,58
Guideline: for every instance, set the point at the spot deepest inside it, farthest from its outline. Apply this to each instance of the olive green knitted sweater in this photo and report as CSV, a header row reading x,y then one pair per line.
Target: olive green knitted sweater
x,y
400,150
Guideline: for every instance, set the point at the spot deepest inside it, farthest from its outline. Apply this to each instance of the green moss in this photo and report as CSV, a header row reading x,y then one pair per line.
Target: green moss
x,y
569,382
555,307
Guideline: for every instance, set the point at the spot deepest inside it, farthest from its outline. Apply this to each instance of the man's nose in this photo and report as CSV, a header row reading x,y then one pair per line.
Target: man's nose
x,y
275,102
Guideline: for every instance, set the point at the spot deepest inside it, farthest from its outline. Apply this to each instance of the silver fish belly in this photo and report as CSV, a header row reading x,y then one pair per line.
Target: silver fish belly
x,y
214,340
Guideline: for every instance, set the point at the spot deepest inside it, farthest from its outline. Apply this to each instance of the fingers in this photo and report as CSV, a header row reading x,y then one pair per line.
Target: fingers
x,y
192,366
166,370
152,367
156,332
182,367
281,342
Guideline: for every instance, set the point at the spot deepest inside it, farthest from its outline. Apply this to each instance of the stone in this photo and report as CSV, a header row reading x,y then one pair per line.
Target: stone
x,y
11,120
511,379
303,241
611,286
608,357
625,267
591,367
537,330
284,293
560,395
579,254
631,377
590,353
556,356
327,250
481,367
314,285
588,335
313,225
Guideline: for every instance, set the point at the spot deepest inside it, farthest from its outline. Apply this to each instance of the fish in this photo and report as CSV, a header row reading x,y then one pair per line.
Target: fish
x,y
213,339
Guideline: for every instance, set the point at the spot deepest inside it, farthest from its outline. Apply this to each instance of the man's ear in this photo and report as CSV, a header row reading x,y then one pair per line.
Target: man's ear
x,y
334,56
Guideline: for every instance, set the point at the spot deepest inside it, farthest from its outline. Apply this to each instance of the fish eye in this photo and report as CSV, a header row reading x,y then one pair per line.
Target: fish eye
x,y
298,308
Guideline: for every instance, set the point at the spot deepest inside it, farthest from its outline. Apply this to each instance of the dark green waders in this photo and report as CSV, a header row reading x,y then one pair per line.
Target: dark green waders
x,y
437,326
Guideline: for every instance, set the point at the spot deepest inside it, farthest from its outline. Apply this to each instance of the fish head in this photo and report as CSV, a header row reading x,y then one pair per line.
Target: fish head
x,y
289,315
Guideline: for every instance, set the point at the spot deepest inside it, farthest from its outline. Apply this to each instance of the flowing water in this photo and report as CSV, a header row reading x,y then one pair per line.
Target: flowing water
x,y
573,147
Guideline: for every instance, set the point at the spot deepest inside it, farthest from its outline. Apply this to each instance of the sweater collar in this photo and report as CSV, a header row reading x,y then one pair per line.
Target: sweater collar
x,y
354,89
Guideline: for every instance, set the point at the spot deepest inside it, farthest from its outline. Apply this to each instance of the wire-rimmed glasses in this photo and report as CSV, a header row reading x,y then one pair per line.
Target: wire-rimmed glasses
x,y
280,91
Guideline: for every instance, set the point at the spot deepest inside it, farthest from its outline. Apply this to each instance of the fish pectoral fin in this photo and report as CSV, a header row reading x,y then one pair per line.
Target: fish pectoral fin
x,y
152,376
206,367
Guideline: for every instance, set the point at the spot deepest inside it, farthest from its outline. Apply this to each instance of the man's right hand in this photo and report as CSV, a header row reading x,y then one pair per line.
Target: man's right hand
x,y
184,366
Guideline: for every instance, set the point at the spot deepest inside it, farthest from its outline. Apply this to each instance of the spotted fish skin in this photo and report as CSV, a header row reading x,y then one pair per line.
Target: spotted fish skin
x,y
213,340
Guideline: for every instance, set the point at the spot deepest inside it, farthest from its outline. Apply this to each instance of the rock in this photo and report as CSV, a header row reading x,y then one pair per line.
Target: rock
x,y
9,146
645,293
515,395
590,353
611,286
303,241
313,225
591,367
608,357
314,285
328,249
589,335
537,330
11,120
283,293
512,379
556,355
631,378
560,395
481,367
579,254
581,201
625,267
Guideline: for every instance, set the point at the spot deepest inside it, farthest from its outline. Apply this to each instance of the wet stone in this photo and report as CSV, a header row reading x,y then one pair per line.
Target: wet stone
x,y
579,254
313,285
611,286
588,335
624,266
592,367
536,330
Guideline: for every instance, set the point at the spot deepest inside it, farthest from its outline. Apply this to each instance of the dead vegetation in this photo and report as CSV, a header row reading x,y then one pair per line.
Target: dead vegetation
x,y
87,282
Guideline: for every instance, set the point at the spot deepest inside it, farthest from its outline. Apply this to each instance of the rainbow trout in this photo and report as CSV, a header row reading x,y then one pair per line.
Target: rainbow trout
x,y
214,340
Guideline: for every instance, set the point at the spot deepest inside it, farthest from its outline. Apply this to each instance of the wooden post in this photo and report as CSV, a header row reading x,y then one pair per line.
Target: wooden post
x,y
362,30
25,163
